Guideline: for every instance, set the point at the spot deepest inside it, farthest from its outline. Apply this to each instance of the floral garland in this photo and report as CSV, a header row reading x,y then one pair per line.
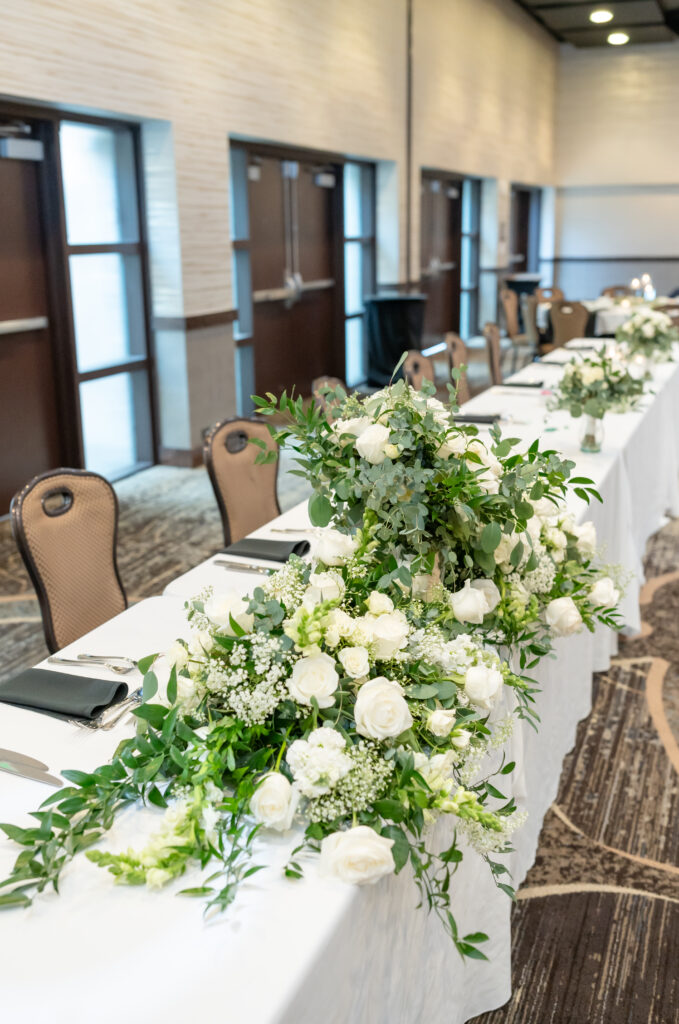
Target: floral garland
x,y
592,387
649,333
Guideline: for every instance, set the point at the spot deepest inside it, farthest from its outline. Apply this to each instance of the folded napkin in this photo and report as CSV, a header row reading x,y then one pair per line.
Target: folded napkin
x,y
273,550
62,693
522,383
470,417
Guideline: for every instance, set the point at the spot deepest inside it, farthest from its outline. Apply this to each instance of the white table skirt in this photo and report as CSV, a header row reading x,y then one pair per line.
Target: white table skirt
x,y
315,950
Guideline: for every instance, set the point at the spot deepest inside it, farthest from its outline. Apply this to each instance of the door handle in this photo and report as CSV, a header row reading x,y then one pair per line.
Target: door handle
x,y
30,323
316,286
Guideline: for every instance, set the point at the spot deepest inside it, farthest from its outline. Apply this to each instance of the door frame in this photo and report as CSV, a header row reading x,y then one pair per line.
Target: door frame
x,y
56,251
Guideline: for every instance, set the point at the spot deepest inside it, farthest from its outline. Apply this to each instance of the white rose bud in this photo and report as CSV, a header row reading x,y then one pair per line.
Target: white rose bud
x,y
314,677
562,616
489,591
441,722
454,444
389,633
177,656
274,802
355,661
586,542
370,445
221,608
381,710
379,604
391,451
461,738
359,856
333,548
604,593
482,684
324,586
469,605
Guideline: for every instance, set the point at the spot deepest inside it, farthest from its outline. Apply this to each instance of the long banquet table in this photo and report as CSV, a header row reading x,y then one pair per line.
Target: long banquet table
x,y
315,950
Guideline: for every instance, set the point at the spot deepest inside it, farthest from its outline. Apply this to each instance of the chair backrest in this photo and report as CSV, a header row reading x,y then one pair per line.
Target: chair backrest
x,y
510,308
529,309
458,357
65,524
245,491
548,294
418,368
617,291
321,400
491,333
569,320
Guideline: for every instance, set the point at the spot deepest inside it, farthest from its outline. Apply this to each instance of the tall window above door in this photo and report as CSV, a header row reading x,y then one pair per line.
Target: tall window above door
x,y
359,264
470,258
106,269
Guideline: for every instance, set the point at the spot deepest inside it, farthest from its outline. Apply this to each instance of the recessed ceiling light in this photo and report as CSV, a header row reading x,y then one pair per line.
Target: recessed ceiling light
x,y
601,16
618,38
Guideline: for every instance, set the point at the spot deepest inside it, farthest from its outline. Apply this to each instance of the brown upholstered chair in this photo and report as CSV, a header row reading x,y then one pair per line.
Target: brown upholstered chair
x,y
529,309
491,333
617,291
458,357
518,338
245,491
418,368
65,524
569,320
322,400
552,294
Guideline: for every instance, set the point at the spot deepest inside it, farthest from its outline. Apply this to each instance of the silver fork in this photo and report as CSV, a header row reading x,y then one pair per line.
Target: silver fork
x,y
120,710
114,663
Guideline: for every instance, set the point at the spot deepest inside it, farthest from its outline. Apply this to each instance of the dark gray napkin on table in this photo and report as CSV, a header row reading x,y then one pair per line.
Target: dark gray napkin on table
x,y
522,384
61,693
273,550
471,417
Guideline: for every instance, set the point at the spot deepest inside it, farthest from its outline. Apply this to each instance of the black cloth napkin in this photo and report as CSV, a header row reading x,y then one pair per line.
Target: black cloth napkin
x,y
61,693
522,384
471,417
273,550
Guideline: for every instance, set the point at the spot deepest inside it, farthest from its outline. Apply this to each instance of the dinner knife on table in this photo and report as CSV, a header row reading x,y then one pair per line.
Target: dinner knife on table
x,y
23,759
24,771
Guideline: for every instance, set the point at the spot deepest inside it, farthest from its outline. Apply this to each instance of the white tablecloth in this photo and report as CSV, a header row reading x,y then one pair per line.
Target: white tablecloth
x,y
313,950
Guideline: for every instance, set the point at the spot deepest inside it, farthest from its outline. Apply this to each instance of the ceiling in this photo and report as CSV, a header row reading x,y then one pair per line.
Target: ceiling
x,y
644,21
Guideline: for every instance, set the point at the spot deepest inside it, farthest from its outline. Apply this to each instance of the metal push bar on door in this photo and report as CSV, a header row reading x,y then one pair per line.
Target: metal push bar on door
x,y
31,323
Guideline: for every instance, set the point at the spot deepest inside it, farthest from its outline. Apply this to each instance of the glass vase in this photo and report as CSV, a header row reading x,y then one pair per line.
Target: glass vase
x,y
592,435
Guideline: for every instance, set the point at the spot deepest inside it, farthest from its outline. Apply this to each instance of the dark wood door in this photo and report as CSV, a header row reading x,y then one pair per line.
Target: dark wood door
x,y
29,422
296,275
440,247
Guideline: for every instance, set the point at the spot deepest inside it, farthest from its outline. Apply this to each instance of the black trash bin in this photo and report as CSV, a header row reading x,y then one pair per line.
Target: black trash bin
x,y
394,324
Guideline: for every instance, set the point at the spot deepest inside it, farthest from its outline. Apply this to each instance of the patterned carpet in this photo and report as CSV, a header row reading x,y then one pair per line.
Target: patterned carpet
x,y
596,926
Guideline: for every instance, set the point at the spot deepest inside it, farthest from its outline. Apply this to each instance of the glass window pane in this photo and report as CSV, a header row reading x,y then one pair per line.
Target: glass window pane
x,y
353,278
465,318
470,206
107,309
355,355
352,201
98,169
470,262
115,423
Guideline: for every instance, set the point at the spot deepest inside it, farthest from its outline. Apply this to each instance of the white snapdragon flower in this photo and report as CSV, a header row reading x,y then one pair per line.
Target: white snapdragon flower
x,y
379,604
338,626
436,770
274,802
221,608
372,442
355,661
469,604
388,633
381,711
604,593
156,878
324,586
333,548
562,616
315,676
482,685
557,541
359,856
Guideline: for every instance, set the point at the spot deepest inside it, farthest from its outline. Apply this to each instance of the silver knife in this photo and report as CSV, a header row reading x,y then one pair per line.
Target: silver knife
x,y
30,773
23,759
243,566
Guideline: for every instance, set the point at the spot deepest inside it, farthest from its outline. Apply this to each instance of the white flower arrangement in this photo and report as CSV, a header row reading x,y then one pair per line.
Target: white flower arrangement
x,y
650,333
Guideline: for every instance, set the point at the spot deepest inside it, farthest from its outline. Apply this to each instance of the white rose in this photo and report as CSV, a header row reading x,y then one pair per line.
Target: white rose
x,y
389,633
545,508
333,548
557,540
648,330
562,616
326,737
481,685
355,661
604,593
440,722
177,656
454,444
186,691
586,542
469,605
359,856
381,710
354,427
504,549
324,586
314,677
489,591
221,608
421,584
201,643
591,374
371,443
274,802
461,738
379,604
534,528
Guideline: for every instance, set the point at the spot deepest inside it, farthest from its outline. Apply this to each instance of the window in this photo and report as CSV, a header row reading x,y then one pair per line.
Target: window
x,y
106,271
359,264
469,262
